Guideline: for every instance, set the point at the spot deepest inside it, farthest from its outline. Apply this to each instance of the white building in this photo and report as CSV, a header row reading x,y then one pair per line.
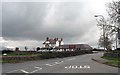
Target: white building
x,y
56,42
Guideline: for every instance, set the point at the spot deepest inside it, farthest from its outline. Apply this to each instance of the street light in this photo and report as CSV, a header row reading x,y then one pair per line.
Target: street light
x,y
100,16
103,28
116,28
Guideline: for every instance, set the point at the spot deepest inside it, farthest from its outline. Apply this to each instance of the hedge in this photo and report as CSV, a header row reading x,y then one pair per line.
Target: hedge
x,y
45,55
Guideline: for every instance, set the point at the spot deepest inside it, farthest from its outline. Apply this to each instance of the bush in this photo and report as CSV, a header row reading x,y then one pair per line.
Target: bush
x,y
7,51
45,55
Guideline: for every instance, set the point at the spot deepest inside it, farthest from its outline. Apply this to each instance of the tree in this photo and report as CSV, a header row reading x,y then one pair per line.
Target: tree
x,y
114,17
26,48
111,25
16,49
114,12
38,48
105,42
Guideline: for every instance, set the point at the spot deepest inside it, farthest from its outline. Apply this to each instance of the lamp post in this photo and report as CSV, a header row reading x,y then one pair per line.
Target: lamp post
x,y
118,32
116,28
103,28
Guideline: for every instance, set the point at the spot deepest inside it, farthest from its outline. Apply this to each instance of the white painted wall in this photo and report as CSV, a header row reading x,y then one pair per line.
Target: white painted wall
x,y
47,42
57,43
62,43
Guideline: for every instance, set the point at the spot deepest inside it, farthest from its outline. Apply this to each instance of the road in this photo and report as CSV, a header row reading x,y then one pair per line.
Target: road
x,y
75,64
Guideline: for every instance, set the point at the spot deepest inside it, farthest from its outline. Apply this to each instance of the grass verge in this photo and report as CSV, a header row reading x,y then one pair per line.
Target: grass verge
x,y
112,61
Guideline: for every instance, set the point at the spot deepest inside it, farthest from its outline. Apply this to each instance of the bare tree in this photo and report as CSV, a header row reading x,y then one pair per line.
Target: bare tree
x,y
114,17
104,40
26,48
114,12
110,26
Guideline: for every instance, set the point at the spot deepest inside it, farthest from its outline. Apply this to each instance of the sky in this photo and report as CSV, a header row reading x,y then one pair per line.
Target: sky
x,y
28,23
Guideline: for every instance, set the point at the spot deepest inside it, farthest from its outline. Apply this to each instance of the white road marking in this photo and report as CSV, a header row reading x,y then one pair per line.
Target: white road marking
x,y
54,64
12,71
15,70
59,62
37,67
66,67
71,59
24,71
36,70
48,65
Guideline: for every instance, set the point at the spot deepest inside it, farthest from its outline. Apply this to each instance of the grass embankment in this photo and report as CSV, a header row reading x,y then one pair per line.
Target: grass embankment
x,y
112,61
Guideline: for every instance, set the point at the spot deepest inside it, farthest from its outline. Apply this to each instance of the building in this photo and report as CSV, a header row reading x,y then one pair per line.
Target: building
x,y
52,43
76,47
57,43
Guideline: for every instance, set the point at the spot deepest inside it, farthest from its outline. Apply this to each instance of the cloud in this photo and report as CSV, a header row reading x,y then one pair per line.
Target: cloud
x,y
73,21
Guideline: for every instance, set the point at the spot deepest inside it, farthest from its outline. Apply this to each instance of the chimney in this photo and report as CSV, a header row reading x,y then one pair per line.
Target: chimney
x,y
56,39
61,39
47,39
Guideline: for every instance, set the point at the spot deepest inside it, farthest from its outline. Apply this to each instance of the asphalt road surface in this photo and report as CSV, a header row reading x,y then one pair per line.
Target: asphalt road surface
x,y
75,64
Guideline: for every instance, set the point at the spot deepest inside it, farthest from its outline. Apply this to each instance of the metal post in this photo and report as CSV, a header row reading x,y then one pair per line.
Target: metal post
x,y
118,37
116,41
104,36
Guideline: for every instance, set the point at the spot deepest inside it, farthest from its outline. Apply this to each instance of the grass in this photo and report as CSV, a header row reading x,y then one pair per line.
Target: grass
x,y
112,61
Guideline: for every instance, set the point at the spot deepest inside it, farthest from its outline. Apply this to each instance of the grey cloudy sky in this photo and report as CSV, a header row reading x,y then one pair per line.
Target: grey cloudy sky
x,y
29,23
